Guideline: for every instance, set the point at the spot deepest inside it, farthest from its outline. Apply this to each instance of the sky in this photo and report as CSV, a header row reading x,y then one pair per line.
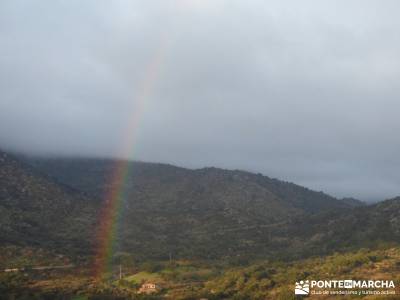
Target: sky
x,y
305,91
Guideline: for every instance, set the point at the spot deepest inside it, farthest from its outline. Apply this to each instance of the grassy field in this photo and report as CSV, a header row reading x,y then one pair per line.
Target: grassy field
x,y
143,277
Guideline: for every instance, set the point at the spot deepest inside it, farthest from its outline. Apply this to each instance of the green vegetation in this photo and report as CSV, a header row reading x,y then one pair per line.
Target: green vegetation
x,y
275,280
194,280
141,277
206,214
37,211
208,233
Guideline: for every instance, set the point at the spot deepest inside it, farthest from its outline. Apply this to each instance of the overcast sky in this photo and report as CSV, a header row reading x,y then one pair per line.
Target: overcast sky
x,y
305,91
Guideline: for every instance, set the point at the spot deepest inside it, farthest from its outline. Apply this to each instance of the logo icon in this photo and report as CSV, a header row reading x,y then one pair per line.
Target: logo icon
x,y
302,288
348,284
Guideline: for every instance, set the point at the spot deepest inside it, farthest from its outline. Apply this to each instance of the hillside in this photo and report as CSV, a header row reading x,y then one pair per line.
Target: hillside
x,y
34,210
207,213
183,280
202,232
94,177
174,212
367,226
275,280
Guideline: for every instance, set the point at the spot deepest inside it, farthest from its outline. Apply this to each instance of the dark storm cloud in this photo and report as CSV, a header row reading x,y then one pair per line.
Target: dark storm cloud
x,y
301,90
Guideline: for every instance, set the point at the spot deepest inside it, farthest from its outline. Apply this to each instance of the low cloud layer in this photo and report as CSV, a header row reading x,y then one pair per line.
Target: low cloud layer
x,y
306,91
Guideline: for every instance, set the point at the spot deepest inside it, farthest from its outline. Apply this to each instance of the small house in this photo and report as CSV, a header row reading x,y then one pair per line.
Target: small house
x,y
149,288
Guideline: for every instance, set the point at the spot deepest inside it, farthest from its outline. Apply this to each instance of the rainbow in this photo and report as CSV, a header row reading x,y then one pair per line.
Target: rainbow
x,y
110,214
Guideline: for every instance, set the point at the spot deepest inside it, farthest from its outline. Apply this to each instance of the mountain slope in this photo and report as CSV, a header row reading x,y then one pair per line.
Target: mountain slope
x,y
169,211
366,226
36,211
207,213
94,177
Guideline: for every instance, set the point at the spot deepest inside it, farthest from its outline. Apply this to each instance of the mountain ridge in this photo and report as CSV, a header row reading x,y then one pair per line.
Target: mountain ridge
x,y
76,165
206,213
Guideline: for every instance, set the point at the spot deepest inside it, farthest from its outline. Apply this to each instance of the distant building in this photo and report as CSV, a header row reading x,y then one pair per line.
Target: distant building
x,y
149,288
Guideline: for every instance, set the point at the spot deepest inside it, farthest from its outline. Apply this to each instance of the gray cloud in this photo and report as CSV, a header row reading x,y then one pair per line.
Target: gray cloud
x,y
306,91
